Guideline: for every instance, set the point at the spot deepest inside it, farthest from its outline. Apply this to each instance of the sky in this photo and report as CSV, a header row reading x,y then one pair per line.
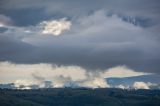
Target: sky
x,y
79,42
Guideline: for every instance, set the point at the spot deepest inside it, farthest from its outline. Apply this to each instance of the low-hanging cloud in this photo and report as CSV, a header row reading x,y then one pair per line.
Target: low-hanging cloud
x,y
57,76
145,85
140,85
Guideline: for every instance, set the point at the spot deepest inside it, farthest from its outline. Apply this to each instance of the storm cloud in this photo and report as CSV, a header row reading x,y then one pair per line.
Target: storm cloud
x,y
93,35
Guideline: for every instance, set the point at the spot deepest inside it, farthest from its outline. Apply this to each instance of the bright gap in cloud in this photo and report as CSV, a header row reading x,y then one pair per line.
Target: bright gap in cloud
x,y
55,27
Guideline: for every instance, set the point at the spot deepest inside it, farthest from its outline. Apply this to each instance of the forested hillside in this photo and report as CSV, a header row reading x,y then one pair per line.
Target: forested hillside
x,y
79,97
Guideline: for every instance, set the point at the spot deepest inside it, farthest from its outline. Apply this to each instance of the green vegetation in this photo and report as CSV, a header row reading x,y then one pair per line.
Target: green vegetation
x,y
79,97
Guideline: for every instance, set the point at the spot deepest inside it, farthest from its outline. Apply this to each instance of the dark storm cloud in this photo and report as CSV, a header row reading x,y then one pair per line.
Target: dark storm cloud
x,y
37,10
12,48
103,33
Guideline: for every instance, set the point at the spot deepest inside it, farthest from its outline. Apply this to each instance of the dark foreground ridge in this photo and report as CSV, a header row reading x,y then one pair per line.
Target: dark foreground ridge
x,y
79,97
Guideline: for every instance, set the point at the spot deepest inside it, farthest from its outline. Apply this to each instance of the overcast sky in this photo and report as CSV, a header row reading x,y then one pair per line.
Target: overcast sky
x,y
89,34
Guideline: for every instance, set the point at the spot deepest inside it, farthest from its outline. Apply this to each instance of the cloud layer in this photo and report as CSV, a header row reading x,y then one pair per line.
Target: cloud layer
x,y
59,76
97,40
92,38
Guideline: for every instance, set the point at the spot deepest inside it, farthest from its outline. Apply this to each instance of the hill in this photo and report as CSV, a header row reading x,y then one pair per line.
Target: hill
x,y
79,97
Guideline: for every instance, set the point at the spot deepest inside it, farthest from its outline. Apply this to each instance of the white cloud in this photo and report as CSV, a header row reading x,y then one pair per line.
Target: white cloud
x,y
97,82
60,76
121,86
55,27
145,85
50,27
122,71
13,71
4,21
140,85
1,25
23,74
23,83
